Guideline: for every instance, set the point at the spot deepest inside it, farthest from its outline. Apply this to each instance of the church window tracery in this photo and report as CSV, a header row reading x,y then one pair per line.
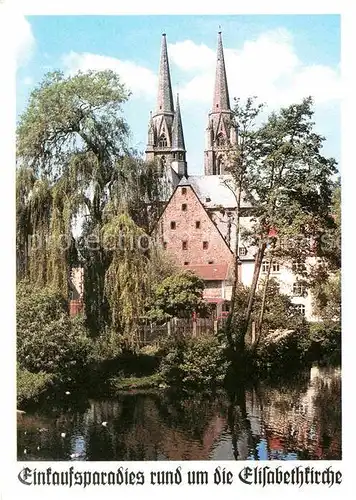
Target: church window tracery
x,y
162,142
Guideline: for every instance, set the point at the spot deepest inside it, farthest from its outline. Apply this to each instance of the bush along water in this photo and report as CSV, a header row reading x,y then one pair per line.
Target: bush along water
x,y
325,343
194,363
54,350
50,344
289,351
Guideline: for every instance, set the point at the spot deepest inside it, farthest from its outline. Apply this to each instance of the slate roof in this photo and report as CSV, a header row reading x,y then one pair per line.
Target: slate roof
x,y
221,93
164,95
212,190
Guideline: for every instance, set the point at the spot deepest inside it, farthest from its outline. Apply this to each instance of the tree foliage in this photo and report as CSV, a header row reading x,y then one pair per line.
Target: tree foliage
x,y
76,171
176,296
289,184
48,340
194,363
74,123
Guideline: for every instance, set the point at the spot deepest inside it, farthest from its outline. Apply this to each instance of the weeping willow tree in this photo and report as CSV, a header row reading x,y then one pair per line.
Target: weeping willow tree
x,y
127,280
74,163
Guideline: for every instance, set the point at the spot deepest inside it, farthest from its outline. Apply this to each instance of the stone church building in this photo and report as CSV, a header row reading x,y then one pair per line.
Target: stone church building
x,y
196,227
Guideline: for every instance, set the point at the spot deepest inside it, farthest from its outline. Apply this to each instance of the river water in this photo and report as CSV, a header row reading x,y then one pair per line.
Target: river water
x,y
298,420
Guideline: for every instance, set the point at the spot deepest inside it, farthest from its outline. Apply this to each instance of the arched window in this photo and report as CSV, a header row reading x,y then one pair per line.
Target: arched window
x,y
162,142
220,139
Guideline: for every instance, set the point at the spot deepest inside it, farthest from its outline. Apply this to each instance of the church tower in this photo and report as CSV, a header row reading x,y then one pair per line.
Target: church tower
x,y
179,163
165,131
221,132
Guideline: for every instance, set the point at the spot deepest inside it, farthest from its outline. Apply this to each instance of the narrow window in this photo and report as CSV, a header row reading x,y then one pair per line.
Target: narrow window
x,y
165,245
184,190
299,309
298,289
184,245
173,224
205,245
265,266
197,224
184,207
275,267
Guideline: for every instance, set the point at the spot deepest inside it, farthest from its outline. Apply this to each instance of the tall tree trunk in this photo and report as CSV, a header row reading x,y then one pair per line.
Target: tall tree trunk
x,y
256,274
236,273
263,305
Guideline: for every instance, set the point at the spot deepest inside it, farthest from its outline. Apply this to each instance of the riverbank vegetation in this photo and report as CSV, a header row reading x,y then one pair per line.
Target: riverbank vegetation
x,y
56,353
85,199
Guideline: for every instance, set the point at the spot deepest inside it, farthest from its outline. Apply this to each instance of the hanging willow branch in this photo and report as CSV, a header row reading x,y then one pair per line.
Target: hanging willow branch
x,y
127,280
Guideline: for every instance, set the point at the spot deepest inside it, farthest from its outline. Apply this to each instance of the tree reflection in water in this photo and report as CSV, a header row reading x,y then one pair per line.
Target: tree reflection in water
x,y
285,421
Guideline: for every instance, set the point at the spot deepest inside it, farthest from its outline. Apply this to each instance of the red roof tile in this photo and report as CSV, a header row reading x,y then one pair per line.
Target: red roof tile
x,y
210,272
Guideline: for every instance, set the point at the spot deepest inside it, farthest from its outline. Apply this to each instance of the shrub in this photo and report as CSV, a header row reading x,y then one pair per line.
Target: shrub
x,y
106,346
31,385
325,340
286,352
194,362
48,340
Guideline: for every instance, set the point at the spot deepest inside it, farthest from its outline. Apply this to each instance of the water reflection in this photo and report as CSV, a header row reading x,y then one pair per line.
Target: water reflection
x,y
301,421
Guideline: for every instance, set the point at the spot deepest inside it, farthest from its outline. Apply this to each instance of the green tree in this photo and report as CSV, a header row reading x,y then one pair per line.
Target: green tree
x,y
289,185
74,163
327,296
177,296
325,278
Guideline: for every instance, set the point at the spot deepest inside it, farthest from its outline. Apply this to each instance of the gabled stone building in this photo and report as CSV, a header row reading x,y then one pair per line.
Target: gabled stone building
x,y
197,226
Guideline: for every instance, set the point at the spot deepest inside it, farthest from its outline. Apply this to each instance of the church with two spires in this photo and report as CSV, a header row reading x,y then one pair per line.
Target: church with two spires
x,y
197,226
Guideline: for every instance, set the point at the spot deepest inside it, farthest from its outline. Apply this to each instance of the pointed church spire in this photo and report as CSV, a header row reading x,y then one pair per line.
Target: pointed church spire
x,y
221,100
177,130
164,96
221,132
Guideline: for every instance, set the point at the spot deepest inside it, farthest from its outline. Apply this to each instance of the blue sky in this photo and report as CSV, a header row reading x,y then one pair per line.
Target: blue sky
x,y
279,58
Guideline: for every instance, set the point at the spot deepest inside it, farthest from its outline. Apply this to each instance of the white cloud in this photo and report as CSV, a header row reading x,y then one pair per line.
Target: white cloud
x,y
141,81
24,40
189,56
267,67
